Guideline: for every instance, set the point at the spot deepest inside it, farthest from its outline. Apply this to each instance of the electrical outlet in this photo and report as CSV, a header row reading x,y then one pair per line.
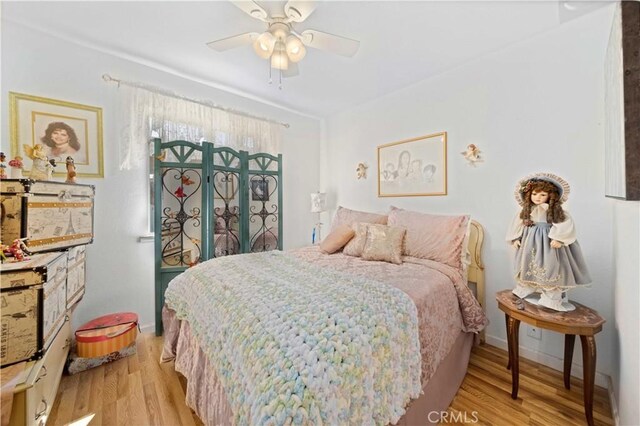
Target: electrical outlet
x,y
534,332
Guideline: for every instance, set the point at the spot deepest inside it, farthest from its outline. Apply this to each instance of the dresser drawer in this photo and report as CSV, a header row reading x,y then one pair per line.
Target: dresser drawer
x,y
50,215
33,403
76,274
34,303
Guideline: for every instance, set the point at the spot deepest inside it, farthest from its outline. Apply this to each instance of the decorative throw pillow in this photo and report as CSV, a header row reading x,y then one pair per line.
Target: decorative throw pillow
x,y
384,243
346,216
433,237
337,239
356,245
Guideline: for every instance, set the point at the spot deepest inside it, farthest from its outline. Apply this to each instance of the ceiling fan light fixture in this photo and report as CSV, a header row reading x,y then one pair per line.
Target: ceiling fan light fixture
x,y
295,49
264,44
279,60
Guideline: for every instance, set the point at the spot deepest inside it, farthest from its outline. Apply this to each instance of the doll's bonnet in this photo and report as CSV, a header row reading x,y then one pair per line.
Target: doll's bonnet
x,y
561,184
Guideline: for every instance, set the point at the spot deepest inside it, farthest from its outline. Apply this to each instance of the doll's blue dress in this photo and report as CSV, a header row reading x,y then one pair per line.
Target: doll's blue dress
x,y
540,266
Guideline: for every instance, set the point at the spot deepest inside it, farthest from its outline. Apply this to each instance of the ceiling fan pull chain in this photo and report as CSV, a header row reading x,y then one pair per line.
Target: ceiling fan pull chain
x,y
280,87
270,78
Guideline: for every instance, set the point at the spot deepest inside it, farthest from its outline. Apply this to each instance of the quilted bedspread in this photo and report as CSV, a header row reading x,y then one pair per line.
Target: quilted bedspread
x,y
296,343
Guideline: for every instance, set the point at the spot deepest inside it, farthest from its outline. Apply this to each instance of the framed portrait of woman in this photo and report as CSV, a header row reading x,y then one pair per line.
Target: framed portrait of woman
x,y
413,167
64,129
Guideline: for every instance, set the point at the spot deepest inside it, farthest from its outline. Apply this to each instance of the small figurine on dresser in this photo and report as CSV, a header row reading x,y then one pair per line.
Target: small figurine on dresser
x,y
71,170
16,168
3,166
42,168
18,250
548,258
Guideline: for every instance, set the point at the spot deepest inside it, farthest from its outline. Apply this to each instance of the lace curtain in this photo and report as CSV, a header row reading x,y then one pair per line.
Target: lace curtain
x,y
150,114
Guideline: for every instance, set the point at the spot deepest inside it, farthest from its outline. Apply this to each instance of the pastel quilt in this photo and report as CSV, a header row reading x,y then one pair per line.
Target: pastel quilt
x,y
295,343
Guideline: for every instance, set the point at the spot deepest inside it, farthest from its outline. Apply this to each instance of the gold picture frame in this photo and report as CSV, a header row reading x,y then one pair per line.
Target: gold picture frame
x,y
413,167
37,120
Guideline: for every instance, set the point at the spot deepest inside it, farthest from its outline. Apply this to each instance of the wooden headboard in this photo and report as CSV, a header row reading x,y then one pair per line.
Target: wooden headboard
x,y
475,273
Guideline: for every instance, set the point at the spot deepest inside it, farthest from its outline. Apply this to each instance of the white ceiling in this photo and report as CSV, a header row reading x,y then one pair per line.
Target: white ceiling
x,y
401,42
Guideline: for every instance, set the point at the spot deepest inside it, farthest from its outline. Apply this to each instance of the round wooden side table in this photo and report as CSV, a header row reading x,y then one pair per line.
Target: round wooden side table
x,y
583,322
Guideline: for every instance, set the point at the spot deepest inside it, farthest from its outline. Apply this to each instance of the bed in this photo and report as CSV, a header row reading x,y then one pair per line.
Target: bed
x,y
404,375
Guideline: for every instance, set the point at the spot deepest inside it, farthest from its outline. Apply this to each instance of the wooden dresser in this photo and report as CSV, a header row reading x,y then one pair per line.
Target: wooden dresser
x,y
36,391
38,296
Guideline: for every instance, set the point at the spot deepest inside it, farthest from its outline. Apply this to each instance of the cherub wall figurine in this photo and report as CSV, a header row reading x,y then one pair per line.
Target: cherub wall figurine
x,y
42,168
361,171
472,154
71,170
548,258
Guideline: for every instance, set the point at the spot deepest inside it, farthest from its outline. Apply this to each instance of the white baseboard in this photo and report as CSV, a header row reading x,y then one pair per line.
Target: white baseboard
x,y
614,402
549,360
148,328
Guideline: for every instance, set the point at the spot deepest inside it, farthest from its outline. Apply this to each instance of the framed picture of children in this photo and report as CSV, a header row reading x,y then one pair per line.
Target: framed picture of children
x,y
413,167
62,129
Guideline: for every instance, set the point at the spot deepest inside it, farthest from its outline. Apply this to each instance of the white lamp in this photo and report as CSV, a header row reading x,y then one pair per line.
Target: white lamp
x,y
318,205
264,45
279,60
295,48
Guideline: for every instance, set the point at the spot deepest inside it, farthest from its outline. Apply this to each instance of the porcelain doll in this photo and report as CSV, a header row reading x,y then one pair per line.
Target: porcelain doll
x,y
548,258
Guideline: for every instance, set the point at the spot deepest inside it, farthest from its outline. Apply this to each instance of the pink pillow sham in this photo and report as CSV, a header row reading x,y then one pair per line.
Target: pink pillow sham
x,y
337,239
348,217
433,237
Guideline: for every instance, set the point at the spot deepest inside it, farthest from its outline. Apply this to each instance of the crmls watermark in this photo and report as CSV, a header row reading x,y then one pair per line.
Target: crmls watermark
x,y
453,417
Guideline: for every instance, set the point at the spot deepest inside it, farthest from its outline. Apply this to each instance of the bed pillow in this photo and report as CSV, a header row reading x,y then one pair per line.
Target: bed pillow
x,y
433,237
384,243
337,239
348,217
356,245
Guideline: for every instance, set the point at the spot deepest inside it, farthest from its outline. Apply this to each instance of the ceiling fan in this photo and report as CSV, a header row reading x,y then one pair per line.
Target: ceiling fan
x,y
281,43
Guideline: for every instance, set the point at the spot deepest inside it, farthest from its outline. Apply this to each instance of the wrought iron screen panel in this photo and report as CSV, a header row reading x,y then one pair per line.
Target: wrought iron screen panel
x,y
265,195
227,201
211,202
179,216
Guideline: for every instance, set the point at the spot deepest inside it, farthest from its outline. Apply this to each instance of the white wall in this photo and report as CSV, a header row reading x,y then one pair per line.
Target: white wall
x,y
626,362
120,270
534,106
626,366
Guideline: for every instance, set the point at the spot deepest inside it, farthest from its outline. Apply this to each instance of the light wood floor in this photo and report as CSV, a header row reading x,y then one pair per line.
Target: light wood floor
x,y
140,391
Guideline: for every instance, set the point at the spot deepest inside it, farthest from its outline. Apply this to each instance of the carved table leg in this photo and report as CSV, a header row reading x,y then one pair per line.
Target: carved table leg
x,y
513,327
506,319
569,341
589,362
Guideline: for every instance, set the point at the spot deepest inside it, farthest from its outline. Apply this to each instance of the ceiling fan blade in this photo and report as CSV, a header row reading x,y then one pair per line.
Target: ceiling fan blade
x,y
252,9
331,43
292,71
299,10
232,42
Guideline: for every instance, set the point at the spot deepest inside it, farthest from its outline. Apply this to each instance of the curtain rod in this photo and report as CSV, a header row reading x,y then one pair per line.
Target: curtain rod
x,y
107,78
